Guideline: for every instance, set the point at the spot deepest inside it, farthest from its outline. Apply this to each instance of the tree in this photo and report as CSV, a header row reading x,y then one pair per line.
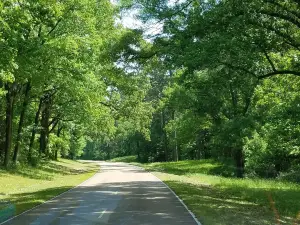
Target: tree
x,y
220,52
56,70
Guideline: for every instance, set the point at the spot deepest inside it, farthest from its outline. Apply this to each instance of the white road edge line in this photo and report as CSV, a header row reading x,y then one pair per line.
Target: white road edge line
x,y
6,221
102,214
185,206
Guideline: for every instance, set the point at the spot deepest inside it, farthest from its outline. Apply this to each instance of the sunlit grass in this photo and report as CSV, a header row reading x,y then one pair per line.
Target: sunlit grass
x,y
27,186
210,191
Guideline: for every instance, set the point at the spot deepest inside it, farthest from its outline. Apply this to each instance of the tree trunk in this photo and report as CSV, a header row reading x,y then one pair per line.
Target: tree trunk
x,y
2,144
198,153
233,99
59,129
239,159
2,134
164,135
138,150
56,154
21,121
108,151
2,139
8,123
33,132
44,136
129,148
175,152
175,149
199,146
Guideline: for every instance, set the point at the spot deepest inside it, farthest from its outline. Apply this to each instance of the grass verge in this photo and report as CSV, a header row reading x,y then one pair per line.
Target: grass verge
x,y
27,187
127,159
215,198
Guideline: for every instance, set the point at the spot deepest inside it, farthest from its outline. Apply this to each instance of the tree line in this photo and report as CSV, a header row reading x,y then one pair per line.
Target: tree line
x,y
223,83
59,83
215,79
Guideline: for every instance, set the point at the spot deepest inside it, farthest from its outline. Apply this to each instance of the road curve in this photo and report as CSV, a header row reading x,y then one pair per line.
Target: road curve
x,y
120,194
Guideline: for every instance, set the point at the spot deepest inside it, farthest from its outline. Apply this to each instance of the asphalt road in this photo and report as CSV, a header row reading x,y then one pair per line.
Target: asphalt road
x,y
120,194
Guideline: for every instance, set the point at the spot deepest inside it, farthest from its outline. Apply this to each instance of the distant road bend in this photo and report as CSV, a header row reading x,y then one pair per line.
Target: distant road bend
x,y
120,194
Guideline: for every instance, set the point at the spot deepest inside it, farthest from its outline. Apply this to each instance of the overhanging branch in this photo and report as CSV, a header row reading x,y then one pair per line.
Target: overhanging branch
x,y
296,73
270,61
238,68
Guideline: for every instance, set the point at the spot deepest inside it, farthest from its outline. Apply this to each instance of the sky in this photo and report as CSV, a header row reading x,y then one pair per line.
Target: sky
x,y
130,20
151,28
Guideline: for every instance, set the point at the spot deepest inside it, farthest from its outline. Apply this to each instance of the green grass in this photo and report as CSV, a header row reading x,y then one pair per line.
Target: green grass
x,y
216,198
127,159
27,187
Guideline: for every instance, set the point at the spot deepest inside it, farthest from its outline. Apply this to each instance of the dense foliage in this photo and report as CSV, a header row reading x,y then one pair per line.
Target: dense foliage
x,y
215,79
224,81
59,82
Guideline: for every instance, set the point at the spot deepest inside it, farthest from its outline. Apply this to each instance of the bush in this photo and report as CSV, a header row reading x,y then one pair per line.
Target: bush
x,y
293,175
127,159
257,158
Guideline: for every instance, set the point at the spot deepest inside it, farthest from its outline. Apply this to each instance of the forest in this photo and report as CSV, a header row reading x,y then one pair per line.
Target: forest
x,y
59,81
214,79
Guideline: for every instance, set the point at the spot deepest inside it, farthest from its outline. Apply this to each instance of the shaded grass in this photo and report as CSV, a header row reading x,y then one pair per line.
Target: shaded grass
x,y
47,180
28,200
216,199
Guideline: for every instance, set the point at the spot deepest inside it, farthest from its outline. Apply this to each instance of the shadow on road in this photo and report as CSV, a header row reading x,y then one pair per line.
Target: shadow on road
x,y
112,203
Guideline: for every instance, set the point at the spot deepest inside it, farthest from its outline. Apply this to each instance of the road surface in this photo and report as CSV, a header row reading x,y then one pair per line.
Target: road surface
x,y
120,194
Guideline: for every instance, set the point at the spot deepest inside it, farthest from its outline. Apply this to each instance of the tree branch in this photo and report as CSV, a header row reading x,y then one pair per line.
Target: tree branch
x,y
270,61
288,39
295,13
54,125
54,27
296,73
238,68
53,121
248,98
280,16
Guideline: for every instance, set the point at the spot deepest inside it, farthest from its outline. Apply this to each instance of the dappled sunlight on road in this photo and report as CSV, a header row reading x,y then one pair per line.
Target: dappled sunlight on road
x,y
120,194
